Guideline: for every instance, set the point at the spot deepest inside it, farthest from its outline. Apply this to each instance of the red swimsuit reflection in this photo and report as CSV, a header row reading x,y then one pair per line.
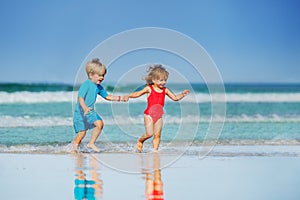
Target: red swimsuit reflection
x,y
154,184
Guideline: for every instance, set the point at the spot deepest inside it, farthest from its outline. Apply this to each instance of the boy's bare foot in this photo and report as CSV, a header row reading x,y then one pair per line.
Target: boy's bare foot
x,y
139,146
74,148
93,146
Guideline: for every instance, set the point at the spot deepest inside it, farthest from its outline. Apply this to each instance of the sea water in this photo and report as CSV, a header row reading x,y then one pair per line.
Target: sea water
x,y
37,118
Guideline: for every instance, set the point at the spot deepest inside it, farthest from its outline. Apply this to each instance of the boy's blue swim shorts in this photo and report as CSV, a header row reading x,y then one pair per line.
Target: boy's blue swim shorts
x,y
86,122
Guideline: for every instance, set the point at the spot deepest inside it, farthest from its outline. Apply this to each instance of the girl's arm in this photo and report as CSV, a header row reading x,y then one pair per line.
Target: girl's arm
x,y
176,97
139,93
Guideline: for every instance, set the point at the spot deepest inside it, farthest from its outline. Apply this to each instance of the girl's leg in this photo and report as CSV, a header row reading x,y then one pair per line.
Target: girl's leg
x,y
157,131
148,122
96,132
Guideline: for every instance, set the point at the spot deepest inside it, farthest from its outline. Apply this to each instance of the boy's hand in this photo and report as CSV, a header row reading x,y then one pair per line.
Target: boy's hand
x,y
86,111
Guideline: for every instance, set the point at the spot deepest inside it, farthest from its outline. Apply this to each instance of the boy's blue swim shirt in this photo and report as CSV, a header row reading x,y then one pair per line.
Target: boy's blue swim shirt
x,y
88,91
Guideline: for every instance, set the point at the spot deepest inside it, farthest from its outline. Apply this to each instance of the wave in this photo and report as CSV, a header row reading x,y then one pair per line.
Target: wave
x,y
67,96
28,121
35,97
29,148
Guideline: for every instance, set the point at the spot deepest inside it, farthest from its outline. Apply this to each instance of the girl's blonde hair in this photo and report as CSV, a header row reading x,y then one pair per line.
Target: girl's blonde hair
x,y
156,72
95,67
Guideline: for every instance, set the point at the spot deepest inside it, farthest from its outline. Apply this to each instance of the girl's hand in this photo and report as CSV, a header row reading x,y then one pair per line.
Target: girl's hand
x,y
185,92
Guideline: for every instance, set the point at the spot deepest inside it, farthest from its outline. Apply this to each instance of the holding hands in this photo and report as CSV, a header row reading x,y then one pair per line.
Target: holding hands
x,y
124,98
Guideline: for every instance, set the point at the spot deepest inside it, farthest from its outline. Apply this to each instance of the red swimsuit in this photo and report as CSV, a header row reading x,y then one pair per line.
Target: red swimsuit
x,y
156,101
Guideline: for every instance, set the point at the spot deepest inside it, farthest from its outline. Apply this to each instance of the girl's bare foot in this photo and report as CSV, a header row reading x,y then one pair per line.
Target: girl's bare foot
x,y
139,146
93,146
155,150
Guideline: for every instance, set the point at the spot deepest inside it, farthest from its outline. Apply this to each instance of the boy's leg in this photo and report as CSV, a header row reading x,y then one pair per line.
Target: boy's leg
x,y
80,129
80,135
77,140
96,132
148,122
157,132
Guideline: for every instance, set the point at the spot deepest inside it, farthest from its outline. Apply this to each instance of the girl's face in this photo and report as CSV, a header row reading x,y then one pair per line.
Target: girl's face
x,y
160,83
97,78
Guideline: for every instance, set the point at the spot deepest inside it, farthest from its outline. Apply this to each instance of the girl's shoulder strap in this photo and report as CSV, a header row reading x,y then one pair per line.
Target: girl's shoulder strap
x,y
151,86
164,90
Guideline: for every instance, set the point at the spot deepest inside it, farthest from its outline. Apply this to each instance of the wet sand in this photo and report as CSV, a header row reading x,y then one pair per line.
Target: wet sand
x,y
139,176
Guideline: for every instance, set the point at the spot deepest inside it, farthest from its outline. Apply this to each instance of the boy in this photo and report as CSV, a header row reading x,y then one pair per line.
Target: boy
x,y
85,116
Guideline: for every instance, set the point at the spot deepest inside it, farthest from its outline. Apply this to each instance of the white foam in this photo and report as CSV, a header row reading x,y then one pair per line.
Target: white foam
x,y
48,97
27,121
245,97
27,148
35,97
286,149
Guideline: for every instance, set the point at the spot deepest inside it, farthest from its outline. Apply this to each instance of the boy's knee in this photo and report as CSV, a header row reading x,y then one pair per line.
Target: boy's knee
x,y
99,124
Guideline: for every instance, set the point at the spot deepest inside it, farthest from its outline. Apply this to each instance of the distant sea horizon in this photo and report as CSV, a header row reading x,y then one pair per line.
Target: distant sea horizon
x,y
59,86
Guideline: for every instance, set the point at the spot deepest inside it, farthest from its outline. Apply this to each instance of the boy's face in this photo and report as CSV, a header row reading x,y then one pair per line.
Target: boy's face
x,y
97,78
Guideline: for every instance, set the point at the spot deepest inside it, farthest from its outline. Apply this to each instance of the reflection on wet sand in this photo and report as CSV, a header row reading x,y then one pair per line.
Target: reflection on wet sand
x,y
154,184
88,184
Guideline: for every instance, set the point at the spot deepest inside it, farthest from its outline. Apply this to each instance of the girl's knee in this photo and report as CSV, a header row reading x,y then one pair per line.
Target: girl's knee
x,y
157,135
149,135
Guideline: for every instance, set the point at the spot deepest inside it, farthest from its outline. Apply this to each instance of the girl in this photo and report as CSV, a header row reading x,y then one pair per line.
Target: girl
x,y
156,91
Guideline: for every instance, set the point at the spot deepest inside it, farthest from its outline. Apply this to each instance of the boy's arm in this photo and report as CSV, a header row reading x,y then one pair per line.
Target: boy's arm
x,y
110,97
176,97
83,105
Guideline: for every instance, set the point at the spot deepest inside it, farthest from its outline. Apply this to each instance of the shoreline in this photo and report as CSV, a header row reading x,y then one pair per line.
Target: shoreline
x,y
290,150
60,176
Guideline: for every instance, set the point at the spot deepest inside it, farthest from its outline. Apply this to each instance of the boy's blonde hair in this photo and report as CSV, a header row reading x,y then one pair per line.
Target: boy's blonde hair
x,y
156,72
95,67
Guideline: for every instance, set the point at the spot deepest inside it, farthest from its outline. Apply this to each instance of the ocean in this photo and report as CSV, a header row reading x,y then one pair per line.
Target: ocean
x,y
37,118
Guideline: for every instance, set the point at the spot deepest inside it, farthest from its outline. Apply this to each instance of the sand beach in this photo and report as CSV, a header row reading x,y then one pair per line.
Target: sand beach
x,y
74,176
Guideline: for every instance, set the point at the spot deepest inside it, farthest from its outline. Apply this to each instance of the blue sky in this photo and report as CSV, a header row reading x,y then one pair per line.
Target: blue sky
x,y
250,41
